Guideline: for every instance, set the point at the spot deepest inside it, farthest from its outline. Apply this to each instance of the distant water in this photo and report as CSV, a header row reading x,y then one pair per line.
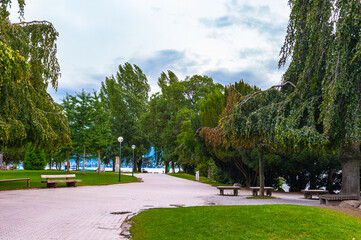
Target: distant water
x,y
149,170
110,169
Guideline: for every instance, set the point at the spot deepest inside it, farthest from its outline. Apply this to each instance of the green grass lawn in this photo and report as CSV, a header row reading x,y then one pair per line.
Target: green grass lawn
x,y
245,222
193,178
89,178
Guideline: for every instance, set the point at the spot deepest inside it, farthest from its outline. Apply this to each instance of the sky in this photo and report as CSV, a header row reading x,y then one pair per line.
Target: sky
x,y
227,40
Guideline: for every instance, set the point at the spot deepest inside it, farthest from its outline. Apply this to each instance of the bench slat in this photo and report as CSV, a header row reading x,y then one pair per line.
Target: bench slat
x,y
58,176
60,181
234,188
17,179
228,187
336,197
258,188
315,191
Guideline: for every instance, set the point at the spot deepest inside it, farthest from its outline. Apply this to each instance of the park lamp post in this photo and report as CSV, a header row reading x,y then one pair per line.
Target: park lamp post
x,y
120,140
133,147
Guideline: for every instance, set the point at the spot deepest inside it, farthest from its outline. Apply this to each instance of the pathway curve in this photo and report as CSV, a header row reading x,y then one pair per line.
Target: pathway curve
x,y
86,212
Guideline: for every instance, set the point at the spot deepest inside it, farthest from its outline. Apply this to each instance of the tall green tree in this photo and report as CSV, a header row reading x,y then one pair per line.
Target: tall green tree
x,y
79,110
100,132
211,107
126,95
191,150
155,120
170,115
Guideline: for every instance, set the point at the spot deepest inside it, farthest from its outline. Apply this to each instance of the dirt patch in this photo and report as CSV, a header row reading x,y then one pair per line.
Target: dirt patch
x,y
177,205
351,211
119,213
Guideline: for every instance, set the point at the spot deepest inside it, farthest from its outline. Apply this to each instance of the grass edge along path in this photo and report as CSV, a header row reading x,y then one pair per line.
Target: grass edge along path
x,y
193,178
245,222
90,178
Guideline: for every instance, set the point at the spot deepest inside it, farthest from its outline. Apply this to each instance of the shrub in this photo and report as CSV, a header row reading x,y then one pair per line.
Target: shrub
x,y
35,159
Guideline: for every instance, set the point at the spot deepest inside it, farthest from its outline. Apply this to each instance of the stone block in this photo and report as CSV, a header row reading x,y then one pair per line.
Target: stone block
x,y
350,204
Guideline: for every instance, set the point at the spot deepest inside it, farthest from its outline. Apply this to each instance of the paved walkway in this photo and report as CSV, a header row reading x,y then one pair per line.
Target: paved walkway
x,y
86,212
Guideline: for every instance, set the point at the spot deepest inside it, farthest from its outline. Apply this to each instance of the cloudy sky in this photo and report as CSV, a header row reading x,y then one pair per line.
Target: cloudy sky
x,y
223,39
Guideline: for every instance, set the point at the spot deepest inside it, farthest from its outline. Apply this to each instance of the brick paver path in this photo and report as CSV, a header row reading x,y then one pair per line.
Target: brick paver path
x,y
85,212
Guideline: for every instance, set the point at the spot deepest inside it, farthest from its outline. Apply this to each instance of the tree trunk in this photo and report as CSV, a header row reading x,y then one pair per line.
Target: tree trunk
x,y
77,162
99,161
209,171
330,180
50,164
83,158
350,158
134,165
166,167
261,172
139,165
249,175
67,160
312,178
173,167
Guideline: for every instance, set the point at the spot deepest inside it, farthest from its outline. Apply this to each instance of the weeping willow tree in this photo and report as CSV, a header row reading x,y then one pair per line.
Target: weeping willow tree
x,y
226,150
318,105
28,65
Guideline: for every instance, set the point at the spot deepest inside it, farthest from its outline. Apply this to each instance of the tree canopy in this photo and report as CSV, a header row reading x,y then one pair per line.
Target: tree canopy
x,y
28,65
318,106
125,94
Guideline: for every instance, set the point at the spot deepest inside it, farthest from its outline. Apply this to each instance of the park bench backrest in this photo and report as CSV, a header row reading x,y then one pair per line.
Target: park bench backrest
x,y
58,176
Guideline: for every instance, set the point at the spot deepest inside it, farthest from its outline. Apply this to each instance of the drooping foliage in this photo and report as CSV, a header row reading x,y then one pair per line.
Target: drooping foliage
x,y
318,105
323,41
320,91
229,154
28,65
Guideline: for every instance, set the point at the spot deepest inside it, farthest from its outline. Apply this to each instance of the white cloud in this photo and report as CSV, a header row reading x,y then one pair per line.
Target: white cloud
x,y
185,36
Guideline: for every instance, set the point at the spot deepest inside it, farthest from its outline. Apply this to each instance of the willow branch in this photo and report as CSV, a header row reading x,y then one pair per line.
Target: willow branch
x,y
26,24
249,96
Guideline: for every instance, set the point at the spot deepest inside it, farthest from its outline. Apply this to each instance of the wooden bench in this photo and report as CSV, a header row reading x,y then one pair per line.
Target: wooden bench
x,y
234,188
268,190
335,199
308,193
54,183
17,179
